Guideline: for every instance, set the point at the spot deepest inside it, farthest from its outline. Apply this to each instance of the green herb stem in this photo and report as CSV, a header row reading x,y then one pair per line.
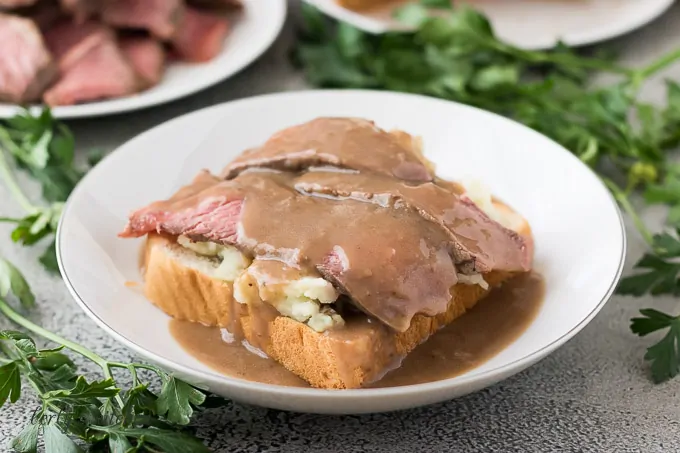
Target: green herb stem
x,y
625,203
15,317
570,61
660,64
13,186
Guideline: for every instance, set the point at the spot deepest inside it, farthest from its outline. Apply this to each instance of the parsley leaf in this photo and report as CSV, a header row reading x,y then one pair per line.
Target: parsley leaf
x,y
12,282
45,148
27,440
10,383
84,390
662,269
176,399
664,355
58,442
168,441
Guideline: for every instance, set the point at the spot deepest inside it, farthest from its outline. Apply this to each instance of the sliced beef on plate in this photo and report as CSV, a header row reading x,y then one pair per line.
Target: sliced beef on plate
x,y
26,66
391,262
69,41
476,239
147,57
159,17
200,36
348,143
102,72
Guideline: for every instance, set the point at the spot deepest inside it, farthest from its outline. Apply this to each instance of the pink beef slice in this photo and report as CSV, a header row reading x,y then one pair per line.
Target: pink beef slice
x,y
103,72
147,57
69,41
26,66
207,208
200,36
159,17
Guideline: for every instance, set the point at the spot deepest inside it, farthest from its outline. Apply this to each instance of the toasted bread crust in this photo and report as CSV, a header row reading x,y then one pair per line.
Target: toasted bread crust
x,y
185,293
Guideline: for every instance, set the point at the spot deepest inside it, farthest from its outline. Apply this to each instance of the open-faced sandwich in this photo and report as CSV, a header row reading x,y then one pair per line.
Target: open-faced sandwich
x,y
333,248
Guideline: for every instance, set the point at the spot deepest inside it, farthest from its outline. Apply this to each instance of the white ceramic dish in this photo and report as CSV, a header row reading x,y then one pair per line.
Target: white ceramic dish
x,y
251,35
535,24
580,241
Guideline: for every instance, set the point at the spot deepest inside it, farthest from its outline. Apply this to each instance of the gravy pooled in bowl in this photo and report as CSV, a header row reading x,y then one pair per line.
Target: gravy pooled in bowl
x,y
466,343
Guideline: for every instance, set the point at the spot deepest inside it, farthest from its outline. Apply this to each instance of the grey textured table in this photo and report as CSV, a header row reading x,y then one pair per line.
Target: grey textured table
x,y
593,394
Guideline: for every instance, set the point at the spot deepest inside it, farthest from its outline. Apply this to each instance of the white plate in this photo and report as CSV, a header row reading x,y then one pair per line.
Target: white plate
x,y
580,241
251,35
535,24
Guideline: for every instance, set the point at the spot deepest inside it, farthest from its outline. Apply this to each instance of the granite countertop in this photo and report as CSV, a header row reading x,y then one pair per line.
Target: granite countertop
x,y
593,394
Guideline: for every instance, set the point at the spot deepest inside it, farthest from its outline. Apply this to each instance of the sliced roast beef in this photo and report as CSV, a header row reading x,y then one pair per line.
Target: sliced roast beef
x,y
69,42
476,239
200,36
392,263
348,143
196,210
100,73
26,66
159,17
147,57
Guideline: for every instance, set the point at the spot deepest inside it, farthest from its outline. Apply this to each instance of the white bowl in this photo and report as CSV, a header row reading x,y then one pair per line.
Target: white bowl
x,y
579,235
250,36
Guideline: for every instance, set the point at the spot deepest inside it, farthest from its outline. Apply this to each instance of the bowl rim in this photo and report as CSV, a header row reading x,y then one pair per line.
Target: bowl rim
x,y
497,373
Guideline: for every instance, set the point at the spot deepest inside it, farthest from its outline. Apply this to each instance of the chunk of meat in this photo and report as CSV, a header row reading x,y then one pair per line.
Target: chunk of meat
x,y
103,72
200,36
26,66
69,42
159,17
476,239
147,57
349,143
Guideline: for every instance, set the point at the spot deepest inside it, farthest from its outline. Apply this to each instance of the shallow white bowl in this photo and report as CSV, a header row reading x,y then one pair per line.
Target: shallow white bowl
x,y
250,36
580,241
535,24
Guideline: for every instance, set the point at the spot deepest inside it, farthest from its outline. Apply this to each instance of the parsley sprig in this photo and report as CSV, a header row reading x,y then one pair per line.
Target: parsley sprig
x,y
73,410
455,55
45,149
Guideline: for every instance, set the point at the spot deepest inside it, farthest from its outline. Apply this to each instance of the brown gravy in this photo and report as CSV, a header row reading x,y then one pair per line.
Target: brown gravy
x,y
472,339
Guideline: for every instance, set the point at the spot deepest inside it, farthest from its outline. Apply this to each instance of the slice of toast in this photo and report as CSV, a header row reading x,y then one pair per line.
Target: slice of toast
x,y
178,281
